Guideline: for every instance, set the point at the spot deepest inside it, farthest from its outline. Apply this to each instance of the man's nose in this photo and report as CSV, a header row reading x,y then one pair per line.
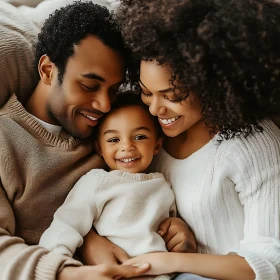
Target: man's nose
x,y
102,102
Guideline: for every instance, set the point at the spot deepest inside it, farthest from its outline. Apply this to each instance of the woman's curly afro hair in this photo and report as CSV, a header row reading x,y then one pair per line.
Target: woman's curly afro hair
x,y
226,51
67,26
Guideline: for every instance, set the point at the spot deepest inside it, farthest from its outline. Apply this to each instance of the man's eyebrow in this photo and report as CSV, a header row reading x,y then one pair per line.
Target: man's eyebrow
x,y
93,77
134,130
99,78
170,89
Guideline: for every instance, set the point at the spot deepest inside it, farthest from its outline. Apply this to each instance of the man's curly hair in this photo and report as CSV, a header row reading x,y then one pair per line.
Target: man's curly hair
x,y
67,26
225,51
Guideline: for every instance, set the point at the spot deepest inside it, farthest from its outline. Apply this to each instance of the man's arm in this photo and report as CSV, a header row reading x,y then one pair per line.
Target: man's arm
x,y
17,259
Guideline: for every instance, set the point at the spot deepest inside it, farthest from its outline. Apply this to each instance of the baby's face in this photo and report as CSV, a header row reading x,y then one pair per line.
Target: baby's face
x,y
128,140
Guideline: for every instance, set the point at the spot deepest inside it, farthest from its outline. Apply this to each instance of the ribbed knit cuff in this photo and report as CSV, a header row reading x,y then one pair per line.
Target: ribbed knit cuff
x,y
261,267
50,264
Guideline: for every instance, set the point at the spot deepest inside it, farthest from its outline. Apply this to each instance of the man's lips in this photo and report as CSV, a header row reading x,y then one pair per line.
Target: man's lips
x,y
90,120
92,115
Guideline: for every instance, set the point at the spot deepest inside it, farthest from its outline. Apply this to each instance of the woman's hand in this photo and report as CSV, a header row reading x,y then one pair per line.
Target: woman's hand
x,y
161,262
99,250
177,235
102,272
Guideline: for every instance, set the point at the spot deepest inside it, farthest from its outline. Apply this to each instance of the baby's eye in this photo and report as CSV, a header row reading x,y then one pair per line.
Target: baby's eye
x,y
113,140
140,137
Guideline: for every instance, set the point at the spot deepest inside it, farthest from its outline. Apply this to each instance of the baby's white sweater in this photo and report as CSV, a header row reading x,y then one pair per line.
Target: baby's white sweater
x,y
229,194
126,208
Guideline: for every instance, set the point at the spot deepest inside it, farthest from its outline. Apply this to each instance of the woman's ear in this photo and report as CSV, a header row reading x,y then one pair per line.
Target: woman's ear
x,y
97,147
158,145
45,69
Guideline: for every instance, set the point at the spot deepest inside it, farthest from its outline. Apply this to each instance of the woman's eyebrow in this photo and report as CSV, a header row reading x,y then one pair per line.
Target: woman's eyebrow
x,y
142,83
170,89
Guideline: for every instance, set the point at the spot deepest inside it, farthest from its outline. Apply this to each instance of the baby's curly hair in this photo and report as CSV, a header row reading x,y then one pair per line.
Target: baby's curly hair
x,y
226,51
127,98
67,26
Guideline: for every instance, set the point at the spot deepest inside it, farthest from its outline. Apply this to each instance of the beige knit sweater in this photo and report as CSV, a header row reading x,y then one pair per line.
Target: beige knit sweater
x,y
18,35
37,170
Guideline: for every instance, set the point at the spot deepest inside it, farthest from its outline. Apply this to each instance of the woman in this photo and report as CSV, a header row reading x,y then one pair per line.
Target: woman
x,y
210,71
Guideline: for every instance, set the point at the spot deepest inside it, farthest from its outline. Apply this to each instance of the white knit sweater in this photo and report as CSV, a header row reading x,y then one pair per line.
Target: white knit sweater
x,y
127,208
229,194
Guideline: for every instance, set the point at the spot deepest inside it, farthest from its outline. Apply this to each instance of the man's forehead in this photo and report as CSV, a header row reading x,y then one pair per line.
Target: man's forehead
x,y
93,58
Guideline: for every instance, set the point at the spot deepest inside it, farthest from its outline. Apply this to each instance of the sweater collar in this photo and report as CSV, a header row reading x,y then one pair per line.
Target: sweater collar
x,y
19,114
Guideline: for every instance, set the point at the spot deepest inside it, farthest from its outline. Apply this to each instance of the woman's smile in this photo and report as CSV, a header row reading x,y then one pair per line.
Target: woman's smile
x,y
168,121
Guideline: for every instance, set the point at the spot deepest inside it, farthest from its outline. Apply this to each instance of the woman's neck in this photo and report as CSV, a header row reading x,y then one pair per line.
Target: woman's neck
x,y
188,142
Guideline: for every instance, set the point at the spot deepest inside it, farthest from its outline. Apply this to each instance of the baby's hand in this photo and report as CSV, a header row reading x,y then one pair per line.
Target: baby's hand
x,y
177,235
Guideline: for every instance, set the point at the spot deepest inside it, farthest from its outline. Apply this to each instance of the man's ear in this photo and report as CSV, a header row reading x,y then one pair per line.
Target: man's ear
x,y
45,69
158,145
97,147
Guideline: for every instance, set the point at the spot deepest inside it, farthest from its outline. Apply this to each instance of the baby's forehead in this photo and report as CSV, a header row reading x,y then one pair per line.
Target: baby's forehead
x,y
132,116
127,111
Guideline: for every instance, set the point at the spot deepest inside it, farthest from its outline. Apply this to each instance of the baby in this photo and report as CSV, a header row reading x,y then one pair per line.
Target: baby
x,y
124,204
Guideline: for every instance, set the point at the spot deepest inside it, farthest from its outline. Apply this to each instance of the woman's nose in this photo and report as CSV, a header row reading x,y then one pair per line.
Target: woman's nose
x,y
156,109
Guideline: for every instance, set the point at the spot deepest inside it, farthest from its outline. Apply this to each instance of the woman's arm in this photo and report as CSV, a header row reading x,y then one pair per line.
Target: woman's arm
x,y
228,267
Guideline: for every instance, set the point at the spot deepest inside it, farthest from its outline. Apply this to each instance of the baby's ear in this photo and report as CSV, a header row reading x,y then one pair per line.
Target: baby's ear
x,y
158,145
97,147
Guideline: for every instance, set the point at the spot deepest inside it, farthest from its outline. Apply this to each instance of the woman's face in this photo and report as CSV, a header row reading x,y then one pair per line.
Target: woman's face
x,y
175,115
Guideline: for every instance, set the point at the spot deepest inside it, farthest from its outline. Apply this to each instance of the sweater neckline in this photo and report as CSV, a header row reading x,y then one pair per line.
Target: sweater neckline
x,y
131,176
214,141
25,119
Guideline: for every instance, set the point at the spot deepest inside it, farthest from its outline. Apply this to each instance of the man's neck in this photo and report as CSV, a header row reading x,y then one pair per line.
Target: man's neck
x,y
36,105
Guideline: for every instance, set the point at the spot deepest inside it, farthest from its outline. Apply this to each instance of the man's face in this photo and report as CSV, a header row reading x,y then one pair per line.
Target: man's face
x,y
92,77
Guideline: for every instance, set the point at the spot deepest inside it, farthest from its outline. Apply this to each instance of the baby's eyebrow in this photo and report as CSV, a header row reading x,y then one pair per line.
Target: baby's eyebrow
x,y
110,131
141,128
134,130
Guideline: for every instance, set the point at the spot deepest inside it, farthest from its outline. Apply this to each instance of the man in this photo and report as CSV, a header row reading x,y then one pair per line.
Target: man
x,y
45,143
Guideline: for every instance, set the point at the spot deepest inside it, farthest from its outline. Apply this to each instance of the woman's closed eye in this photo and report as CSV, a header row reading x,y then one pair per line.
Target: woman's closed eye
x,y
146,94
175,100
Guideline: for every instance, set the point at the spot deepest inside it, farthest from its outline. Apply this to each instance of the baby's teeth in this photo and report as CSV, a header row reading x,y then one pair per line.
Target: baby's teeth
x,y
127,159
